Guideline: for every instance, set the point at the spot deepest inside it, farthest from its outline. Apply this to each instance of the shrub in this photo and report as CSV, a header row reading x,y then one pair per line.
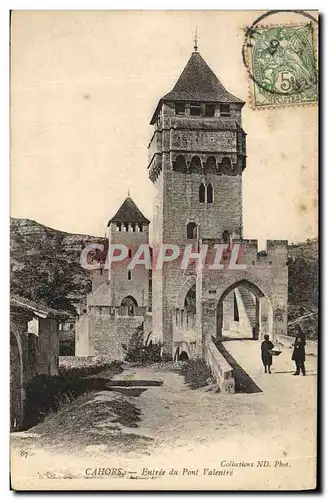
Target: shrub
x,y
138,351
196,373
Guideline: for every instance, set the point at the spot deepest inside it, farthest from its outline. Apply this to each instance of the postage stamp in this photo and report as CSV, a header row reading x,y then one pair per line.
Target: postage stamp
x,y
282,64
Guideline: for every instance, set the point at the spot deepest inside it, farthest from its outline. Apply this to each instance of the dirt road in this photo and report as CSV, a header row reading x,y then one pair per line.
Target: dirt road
x,y
163,424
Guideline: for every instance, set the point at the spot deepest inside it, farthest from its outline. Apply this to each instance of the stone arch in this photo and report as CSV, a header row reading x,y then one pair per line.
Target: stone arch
x,y
259,295
131,303
180,165
183,356
196,165
182,352
226,165
189,283
210,165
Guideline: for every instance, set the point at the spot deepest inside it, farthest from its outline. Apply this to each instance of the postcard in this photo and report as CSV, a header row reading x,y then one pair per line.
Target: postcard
x,y
164,250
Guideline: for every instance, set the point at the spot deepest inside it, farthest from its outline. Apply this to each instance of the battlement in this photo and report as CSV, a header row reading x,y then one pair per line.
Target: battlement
x,y
276,250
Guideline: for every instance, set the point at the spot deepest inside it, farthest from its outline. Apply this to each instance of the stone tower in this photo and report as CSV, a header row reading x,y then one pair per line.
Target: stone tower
x,y
128,227
196,158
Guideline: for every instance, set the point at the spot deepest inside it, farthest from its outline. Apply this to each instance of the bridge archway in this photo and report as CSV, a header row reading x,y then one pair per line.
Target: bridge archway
x,y
243,312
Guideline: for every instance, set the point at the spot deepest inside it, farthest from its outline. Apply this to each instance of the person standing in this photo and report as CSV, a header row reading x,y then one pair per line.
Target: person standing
x,y
266,355
299,352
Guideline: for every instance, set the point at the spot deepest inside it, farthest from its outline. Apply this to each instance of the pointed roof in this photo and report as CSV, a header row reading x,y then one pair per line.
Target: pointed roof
x,y
198,83
129,212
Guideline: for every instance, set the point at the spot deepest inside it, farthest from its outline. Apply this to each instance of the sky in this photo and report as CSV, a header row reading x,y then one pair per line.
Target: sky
x,y
84,85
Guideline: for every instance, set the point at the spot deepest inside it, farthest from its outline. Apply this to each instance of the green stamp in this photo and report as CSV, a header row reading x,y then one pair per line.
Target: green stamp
x,y
283,65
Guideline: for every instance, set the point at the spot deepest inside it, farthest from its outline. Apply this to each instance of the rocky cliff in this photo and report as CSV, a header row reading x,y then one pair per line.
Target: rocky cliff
x,y
45,264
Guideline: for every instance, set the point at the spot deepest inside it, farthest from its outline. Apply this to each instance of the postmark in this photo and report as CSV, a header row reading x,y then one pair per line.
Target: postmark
x,y
282,63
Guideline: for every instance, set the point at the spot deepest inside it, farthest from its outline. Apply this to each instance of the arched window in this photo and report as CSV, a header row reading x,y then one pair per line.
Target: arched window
x,y
131,303
202,193
118,227
179,165
210,165
192,230
196,165
226,164
209,190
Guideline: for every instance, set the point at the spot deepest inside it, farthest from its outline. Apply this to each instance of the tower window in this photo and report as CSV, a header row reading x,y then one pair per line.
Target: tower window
x,y
118,227
191,230
180,108
206,193
140,227
224,110
226,165
209,193
130,253
209,109
226,236
195,109
210,165
129,275
196,165
202,193
180,164
125,227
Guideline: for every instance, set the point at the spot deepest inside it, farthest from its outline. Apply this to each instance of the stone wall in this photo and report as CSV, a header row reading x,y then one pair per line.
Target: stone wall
x,y
83,346
103,335
222,372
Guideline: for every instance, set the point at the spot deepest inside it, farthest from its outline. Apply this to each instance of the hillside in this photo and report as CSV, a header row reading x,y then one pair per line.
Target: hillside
x,y
303,287
45,264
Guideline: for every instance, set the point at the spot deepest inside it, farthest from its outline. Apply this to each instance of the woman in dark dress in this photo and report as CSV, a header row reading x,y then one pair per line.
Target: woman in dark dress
x,y
299,352
266,355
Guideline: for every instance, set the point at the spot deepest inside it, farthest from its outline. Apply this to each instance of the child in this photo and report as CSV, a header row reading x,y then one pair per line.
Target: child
x,y
266,347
